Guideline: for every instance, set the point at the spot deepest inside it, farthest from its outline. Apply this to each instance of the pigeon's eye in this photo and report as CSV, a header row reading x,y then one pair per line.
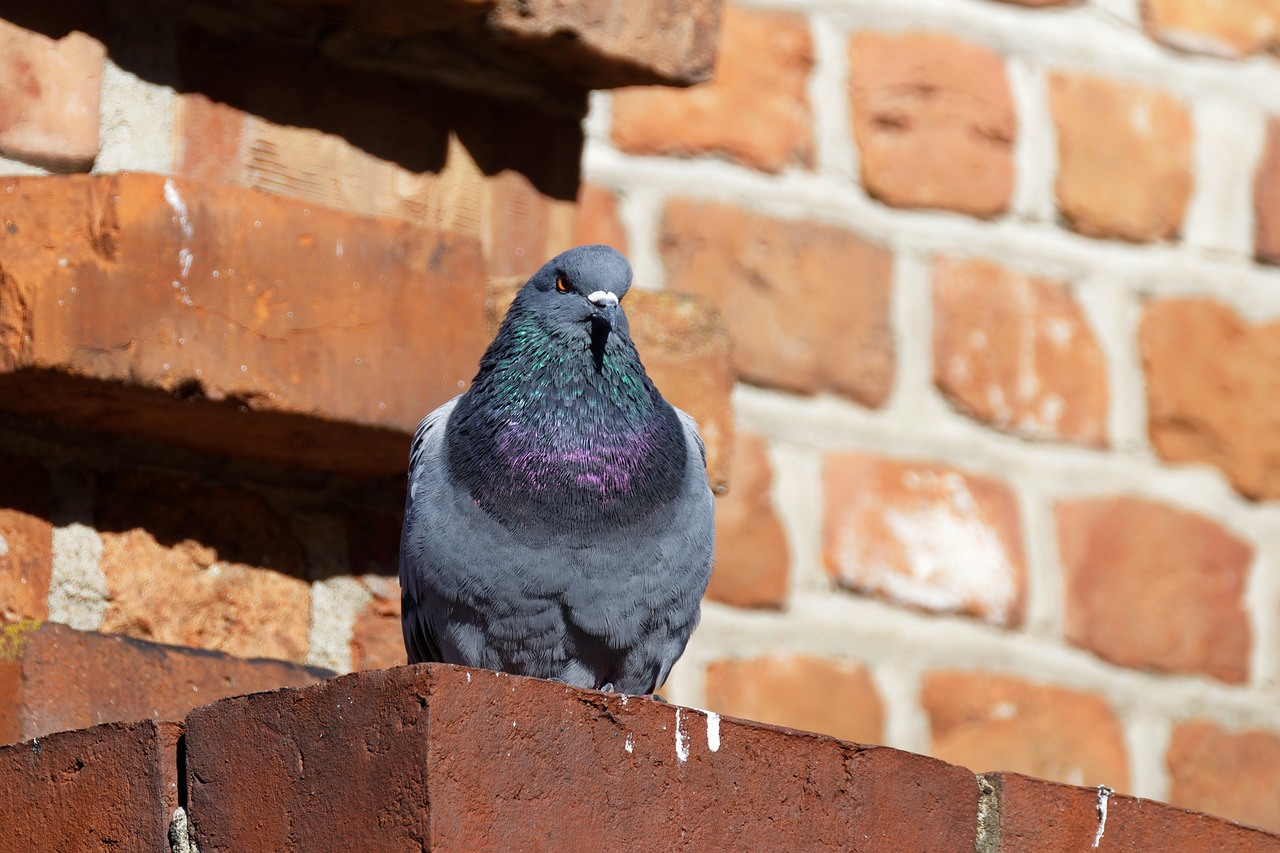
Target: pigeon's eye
x,y
562,284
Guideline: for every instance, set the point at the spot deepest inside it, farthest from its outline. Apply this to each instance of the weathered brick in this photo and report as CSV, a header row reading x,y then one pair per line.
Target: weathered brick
x,y
1235,774
203,566
62,679
377,641
1154,587
210,139
26,540
1125,158
1266,198
755,111
461,759
836,698
1233,29
924,535
111,787
598,220
934,121
49,94
753,268
685,349
988,721
1016,351
752,558
1210,390
1037,816
174,309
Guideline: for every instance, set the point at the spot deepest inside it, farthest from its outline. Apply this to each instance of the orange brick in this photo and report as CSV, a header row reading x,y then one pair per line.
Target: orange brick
x,y
986,721
1266,198
924,535
26,540
210,140
1233,774
202,566
934,121
807,304
751,547
1016,352
598,220
49,95
755,111
1125,160
832,697
1233,29
1211,390
1150,586
377,641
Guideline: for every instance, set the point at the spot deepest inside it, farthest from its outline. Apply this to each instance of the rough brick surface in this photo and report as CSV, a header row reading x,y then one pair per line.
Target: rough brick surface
x,y
1151,586
205,566
26,540
1210,390
984,721
1228,773
110,787
752,557
61,679
182,303
598,220
924,535
685,349
832,697
934,121
1266,197
1038,817
377,640
449,759
1017,352
755,111
1233,29
752,267
49,94
1125,159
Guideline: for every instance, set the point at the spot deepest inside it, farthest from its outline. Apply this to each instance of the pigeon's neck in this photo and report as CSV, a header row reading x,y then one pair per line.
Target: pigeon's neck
x,y
555,429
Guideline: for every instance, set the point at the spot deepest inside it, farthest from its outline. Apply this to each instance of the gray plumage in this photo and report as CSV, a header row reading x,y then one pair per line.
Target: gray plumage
x,y
559,523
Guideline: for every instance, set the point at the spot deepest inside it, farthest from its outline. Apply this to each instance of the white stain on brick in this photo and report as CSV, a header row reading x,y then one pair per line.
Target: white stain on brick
x,y
682,740
78,594
174,199
713,731
630,744
4,547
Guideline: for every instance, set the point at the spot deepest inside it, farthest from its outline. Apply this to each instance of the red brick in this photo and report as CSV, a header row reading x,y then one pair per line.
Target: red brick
x,y
1154,587
685,348
377,641
26,540
807,303
202,566
1210,390
934,121
1266,198
210,139
924,535
598,220
1125,159
110,787
1228,773
988,721
62,679
831,697
751,547
1036,816
755,111
49,94
173,309
1233,29
470,760
1016,352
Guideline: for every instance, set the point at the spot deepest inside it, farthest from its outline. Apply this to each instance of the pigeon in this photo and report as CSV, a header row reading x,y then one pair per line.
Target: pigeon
x,y
559,523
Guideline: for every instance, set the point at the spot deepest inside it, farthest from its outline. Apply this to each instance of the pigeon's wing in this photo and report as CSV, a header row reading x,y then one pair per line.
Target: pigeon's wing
x,y
428,444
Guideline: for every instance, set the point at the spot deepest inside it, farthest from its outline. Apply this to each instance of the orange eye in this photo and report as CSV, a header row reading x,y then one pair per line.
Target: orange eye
x,y
562,284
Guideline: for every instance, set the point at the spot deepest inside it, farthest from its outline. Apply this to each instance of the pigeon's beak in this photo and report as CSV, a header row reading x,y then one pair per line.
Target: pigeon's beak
x,y
607,304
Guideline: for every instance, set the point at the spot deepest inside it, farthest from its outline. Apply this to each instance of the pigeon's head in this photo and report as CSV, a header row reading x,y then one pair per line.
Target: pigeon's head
x,y
581,285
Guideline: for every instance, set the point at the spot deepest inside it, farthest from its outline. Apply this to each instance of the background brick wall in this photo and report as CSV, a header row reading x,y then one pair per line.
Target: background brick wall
x,y
1001,281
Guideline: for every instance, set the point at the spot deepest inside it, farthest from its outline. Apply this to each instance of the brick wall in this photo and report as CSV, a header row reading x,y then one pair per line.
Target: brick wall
x,y
1002,283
